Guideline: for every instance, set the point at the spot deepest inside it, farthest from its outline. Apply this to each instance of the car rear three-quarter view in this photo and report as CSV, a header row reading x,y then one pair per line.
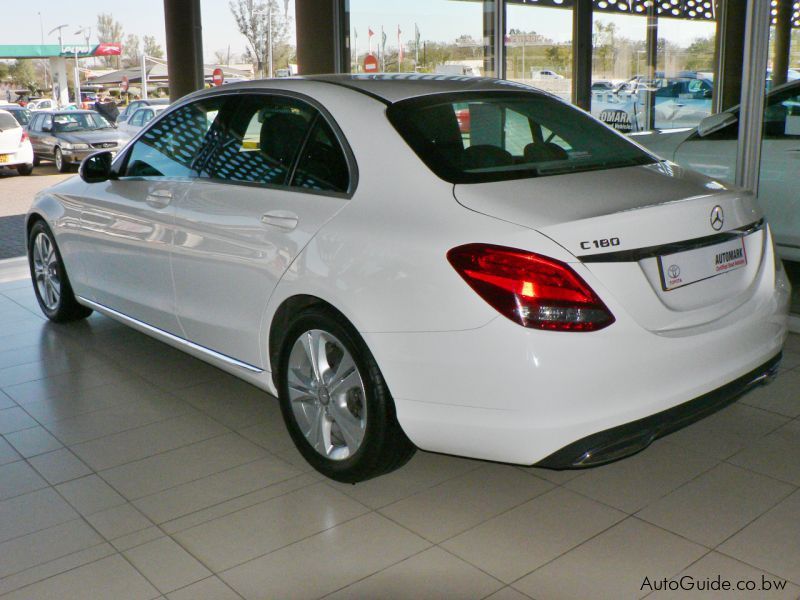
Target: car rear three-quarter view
x,y
459,265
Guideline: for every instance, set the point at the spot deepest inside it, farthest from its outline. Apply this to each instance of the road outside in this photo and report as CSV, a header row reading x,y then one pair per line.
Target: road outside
x,y
16,195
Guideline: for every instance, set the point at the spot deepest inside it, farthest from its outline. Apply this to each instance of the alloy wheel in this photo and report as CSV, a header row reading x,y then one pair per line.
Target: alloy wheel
x,y
45,267
327,394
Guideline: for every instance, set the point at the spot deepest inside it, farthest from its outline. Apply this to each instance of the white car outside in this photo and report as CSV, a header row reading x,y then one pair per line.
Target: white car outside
x,y
15,146
714,153
140,117
535,290
43,104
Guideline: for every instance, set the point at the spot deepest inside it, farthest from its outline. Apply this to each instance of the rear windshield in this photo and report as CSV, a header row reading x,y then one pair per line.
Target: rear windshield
x,y
7,122
65,122
22,116
477,137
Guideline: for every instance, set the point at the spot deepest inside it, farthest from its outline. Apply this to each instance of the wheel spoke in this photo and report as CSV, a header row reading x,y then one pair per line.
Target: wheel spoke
x,y
349,381
350,427
310,342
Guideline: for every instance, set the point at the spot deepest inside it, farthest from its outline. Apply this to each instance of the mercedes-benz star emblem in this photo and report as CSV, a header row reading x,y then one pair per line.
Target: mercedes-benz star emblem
x,y
674,271
717,218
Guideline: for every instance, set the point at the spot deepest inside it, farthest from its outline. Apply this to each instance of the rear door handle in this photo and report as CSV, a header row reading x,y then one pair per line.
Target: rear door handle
x,y
280,219
159,198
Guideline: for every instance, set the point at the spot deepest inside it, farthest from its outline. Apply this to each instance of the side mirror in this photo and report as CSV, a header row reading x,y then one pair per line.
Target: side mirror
x,y
96,167
714,123
47,128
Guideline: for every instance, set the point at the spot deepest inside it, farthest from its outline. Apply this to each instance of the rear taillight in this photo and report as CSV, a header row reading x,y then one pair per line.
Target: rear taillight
x,y
24,138
533,290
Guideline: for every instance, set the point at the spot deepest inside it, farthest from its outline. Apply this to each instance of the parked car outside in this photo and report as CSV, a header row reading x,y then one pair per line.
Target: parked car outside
x,y
338,241
128,110
68,136
15,147
678,102
711,149
139,118
42,104
20,113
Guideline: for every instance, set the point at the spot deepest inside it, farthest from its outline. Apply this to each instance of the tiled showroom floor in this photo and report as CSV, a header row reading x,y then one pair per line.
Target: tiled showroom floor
x,y
130,470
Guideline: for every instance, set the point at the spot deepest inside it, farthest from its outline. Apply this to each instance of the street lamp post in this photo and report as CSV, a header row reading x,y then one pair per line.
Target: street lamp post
x,y
269,35
87,31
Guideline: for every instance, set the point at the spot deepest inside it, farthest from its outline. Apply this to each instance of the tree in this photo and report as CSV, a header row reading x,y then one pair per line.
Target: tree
x,y
152,47
700,55
109,30
23,74
131,55
253,20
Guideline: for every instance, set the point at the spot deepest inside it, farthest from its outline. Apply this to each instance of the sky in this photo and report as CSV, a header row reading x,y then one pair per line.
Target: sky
x,y
439,20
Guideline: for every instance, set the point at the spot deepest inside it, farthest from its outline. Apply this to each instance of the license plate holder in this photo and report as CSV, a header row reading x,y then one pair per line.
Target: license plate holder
x,y
680,269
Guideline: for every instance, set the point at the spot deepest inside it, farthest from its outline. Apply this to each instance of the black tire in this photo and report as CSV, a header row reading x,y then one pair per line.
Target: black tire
x,y
62,165
36,161
66,307
25,169
385,446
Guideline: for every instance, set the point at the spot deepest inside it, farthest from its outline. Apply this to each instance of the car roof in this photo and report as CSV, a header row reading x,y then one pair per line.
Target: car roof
x,y
387,87
69,112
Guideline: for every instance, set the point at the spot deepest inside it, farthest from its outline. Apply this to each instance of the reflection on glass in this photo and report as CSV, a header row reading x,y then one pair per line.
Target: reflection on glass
x,y
538,46
780,147
424,36
675,93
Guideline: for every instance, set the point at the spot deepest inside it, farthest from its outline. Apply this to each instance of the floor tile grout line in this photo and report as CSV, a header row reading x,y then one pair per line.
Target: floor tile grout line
x,y
212,576
381,570
753,470
763,513
102,542
133,501
22,587
111,407
744,562
304,538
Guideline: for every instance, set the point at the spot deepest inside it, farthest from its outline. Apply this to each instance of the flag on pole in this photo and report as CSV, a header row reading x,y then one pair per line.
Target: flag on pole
x,y
416,46
370,33
399,49
383,49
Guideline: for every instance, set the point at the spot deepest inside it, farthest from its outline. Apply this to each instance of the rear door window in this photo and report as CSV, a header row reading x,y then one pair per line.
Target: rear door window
x,y
322,165
262,141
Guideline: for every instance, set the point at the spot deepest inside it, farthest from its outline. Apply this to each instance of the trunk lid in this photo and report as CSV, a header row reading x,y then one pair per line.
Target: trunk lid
x,y
634,228
10,140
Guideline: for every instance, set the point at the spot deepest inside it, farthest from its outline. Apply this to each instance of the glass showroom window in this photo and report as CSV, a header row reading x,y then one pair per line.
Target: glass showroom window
x,y
538,47
780,147
620,70
424,36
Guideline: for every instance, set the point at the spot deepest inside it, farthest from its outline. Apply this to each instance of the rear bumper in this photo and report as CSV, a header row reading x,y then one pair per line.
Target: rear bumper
x,y
624,440
22,156
505,393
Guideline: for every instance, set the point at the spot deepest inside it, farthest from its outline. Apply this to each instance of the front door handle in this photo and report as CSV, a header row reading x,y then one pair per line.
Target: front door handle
x,y
280,219
159,198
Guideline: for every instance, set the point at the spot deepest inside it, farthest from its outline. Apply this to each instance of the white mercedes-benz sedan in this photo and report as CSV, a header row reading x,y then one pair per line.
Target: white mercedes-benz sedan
x,y
523,285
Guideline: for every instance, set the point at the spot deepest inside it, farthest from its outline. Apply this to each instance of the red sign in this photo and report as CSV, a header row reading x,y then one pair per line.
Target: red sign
x,y
123,85
370,63
108,49
217,77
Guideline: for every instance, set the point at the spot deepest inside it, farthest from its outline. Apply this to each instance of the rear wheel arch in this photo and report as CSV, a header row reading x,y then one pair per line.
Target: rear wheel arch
x,y
282,319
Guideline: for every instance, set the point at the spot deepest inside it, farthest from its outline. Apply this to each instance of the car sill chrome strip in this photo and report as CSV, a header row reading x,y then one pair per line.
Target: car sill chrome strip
x,y
653,251
165,334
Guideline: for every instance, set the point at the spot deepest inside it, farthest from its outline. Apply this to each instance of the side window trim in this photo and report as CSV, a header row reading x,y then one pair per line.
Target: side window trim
x,y
121,163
